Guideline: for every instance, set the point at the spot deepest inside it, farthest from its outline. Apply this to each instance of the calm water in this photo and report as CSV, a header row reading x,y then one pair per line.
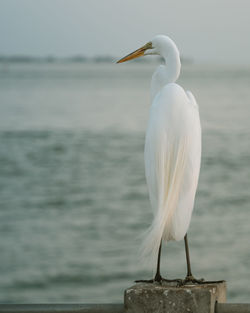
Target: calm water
x,y
73,199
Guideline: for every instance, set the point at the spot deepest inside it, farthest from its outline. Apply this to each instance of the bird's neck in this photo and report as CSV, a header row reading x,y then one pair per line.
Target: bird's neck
x,y
166,73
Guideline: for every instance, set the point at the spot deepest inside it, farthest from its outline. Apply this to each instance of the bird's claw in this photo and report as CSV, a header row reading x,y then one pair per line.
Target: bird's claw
x,y
192,280
158,279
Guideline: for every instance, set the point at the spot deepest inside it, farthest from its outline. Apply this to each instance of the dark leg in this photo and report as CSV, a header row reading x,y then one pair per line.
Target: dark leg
x,y
189,273
158,277
190,278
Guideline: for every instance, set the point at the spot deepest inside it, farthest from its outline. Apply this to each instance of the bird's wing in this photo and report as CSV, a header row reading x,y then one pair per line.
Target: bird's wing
x,y
172,164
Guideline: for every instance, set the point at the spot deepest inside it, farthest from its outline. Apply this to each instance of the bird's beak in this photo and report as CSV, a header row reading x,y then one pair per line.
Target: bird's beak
x,y
137,53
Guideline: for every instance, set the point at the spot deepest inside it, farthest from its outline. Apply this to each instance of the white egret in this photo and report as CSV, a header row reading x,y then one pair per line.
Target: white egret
x,y
172,151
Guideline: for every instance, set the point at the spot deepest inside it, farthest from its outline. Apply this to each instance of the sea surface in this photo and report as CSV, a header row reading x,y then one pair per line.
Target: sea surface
x,y
73,198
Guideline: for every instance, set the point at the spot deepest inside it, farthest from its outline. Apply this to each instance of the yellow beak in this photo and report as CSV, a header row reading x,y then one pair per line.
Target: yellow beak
x,y
137,53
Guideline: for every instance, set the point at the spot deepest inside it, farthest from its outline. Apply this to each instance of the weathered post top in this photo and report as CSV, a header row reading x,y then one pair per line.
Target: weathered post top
x,y
168,298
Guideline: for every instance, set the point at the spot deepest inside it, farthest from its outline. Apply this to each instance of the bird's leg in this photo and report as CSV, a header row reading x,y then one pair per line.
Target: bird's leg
x,y
190,278
158,277
189,272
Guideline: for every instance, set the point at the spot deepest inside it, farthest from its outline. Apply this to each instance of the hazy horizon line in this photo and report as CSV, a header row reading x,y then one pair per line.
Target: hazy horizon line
x,y
27,58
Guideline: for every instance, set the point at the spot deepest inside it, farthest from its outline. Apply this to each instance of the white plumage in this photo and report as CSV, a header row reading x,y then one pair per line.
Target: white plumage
x,y
172,164
172,149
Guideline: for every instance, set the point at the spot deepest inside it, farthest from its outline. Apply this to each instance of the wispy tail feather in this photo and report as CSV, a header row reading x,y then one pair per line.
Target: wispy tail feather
x,y
169,192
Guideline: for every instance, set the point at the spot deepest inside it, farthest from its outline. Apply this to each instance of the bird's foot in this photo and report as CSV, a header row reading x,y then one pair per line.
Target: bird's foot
x,y
191,280
158,279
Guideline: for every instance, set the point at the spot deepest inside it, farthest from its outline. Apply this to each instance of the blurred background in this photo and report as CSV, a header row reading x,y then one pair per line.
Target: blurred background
x,y
73,198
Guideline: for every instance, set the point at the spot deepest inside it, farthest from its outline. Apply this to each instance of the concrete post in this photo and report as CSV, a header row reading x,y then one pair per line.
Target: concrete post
x,y
166,298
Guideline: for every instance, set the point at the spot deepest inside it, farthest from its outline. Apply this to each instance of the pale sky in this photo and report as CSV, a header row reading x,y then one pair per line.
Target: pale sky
x,y
207,31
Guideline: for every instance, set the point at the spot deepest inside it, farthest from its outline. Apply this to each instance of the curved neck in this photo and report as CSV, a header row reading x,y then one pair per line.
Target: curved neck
x,y
167,73
173,66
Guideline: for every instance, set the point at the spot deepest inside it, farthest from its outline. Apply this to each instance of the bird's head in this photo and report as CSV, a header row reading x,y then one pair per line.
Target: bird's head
x,y
153,47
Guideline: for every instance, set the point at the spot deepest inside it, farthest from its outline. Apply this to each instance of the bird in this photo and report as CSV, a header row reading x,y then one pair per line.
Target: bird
x,y
172,153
